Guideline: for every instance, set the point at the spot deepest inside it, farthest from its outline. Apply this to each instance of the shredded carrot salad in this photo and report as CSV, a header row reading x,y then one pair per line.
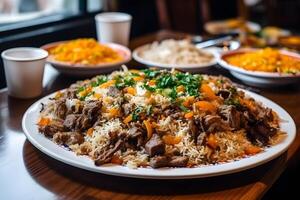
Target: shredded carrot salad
x,y
266,60
85,51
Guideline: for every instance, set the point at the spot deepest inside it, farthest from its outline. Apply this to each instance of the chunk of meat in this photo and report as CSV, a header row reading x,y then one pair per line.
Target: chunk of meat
x,y
178,161
214,123
127,108
136,135
166,161
155,146
266,113
50,129
77,122
193,129
231,116
92,110
225,94
159,161
60,108
83,123
261,132
106,156
68,138
70,121
114,92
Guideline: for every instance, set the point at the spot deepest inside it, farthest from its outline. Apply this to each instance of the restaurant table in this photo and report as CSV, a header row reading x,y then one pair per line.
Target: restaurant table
x,y
27,173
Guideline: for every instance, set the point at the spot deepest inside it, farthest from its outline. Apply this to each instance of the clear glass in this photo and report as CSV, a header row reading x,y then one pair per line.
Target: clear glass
x,y
12,11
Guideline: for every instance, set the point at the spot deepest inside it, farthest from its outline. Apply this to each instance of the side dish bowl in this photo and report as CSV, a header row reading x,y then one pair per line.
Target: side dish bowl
x,y
259,78
81,70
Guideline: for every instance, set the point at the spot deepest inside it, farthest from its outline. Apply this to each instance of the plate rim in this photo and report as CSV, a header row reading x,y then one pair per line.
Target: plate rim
x,y
192,172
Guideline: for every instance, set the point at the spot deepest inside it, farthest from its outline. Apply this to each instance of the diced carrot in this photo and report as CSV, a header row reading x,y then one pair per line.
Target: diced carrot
x,y
251,150
135,71
138,78
116,160
44,121
88,89
208,92
189,115
82,93
128,119
131,90
180,88
58,95
90,131
107,84
247,103
205,106
148,128
171,139
114,112
152,83
188,101
97,95
212,141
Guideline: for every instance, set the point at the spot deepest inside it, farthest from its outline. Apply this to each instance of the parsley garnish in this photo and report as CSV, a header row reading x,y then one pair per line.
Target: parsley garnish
x,y
136,112
149,73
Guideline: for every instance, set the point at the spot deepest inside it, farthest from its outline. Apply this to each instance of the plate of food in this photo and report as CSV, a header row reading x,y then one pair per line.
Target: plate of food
x,y
159,124
86,57
262,67
231,25
179,54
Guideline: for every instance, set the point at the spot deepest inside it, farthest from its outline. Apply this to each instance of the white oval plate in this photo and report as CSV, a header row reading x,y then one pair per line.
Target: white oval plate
x,y
210,27
191,67
57,152
258,78
80,70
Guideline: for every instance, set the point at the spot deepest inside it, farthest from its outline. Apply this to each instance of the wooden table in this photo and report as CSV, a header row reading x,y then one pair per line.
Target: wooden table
x,y
26,173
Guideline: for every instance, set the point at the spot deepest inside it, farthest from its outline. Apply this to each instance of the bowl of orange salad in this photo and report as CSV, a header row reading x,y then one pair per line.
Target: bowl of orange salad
x,y
86,56
262,67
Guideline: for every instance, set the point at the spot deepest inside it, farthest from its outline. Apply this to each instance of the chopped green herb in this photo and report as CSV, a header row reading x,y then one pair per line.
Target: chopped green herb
x,y
149,73
136,112
149,88
149,110
183,108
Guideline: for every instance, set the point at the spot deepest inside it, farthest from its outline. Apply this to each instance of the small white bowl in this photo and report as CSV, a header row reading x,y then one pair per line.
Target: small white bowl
x,y
80,70
258,78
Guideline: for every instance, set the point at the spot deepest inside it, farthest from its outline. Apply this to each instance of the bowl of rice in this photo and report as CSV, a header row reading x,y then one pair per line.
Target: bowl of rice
x,y
179,54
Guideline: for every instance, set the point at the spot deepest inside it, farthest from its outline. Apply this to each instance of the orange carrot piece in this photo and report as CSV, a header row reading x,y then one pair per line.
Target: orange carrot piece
x,y
171,140
128,119
205,106
131,90
208,92
212,141
114,112
148,128
90,131
44,121
189,115
116,160
251,150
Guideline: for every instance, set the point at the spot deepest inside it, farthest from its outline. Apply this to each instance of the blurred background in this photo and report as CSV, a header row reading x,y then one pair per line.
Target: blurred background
x,y
37,22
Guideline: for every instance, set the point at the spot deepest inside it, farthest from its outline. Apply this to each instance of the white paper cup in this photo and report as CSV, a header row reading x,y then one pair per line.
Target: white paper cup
x,y
113,27
24,70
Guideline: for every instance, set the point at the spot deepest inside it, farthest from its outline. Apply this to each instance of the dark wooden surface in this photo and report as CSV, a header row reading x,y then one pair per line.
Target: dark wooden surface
x,y
26,173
